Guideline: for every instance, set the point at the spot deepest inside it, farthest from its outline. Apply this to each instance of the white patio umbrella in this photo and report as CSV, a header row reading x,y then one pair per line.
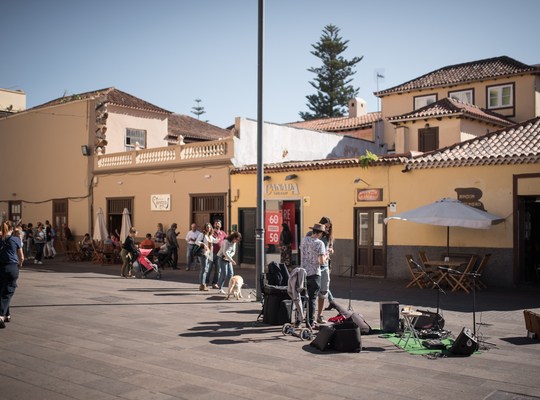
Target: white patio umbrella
x,y
126,225
449,212
100,229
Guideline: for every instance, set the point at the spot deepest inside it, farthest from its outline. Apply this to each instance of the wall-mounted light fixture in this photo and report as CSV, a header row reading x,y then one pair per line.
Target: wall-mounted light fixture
x,y
267,177
358,180
85,150
291,177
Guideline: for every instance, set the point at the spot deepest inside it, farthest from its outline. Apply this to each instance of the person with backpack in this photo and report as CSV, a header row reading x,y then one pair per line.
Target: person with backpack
x,y
11,259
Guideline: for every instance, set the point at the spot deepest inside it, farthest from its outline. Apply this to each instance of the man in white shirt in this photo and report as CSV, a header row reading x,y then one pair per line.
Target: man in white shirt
x,y
313,254
191,238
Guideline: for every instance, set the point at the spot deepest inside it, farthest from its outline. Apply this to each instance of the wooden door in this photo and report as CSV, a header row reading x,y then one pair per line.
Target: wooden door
x,y
370,240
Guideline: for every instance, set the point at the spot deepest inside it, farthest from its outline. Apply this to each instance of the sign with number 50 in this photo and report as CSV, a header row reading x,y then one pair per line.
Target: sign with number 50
x,y
272,227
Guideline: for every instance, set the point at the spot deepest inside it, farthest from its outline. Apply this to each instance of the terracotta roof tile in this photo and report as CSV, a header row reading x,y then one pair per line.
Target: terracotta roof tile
x,y
339,124
192,128
519,144
462,73
451,107
111,96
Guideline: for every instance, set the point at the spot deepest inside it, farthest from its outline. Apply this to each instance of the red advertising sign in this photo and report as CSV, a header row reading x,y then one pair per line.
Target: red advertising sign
x,y
289,218
272,227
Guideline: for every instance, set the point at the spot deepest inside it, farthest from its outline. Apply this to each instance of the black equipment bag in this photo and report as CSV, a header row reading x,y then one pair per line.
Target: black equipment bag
x,y
429,320
346,338
273,296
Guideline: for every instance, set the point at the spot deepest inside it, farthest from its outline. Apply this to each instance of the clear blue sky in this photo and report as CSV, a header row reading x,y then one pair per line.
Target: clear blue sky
x,y
171,52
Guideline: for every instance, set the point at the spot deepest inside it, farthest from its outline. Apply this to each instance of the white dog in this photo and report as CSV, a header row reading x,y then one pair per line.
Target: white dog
x,y
235,287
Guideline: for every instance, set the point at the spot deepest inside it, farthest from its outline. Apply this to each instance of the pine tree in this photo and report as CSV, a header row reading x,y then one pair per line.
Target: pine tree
x,y
198,110
333,77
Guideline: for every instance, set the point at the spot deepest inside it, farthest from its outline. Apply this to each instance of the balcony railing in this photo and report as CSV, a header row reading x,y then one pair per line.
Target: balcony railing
x,y
181,155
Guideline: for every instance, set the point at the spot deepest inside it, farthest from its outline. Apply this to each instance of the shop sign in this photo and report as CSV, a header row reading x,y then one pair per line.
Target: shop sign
x,y
369,194
470,196
160,202
282,189
272,228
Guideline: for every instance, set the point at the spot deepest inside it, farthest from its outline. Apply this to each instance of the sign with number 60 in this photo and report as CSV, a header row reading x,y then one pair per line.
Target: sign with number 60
x,y
272,227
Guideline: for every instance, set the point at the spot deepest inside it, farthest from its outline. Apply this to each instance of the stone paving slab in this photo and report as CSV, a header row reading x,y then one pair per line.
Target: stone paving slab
x,y
79,331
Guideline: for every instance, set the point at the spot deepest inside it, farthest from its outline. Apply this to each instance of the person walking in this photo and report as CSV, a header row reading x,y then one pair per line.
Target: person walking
x,y
225,255
206,240
29,241
285,242
191,238
172,244
220,235
11,259
313,256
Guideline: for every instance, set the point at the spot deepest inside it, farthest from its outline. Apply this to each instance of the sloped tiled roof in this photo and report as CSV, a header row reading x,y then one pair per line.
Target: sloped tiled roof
x,y
519,144
193,128
314,165
449,107
339,124
111,96
462,73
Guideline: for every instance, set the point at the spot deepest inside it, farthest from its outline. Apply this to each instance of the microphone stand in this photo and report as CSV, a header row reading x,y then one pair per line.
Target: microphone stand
x,y
439,291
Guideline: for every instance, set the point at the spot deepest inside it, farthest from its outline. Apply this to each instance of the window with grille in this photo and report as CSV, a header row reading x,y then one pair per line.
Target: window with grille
x,y
465,96
134,136
500,96
15,211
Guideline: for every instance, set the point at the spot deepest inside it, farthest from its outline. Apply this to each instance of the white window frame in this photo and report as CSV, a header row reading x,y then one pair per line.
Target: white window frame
x,y
132,136
498,91
422,101
465,96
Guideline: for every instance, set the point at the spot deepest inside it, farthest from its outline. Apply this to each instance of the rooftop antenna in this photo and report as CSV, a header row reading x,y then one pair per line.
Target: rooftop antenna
x,y
379,74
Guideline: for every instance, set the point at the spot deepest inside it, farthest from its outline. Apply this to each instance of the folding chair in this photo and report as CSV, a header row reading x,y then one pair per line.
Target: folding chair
x,y
462,280
416,275
480,271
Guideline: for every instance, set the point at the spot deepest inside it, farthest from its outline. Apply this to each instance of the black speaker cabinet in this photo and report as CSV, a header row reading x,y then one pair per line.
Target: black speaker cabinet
x,y
465,344
389,316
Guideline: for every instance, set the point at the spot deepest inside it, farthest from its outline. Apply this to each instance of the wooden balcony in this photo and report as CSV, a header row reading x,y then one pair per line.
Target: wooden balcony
x,y
211,153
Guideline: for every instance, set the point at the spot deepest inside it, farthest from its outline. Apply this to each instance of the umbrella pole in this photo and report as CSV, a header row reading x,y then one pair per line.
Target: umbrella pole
x,y
448,241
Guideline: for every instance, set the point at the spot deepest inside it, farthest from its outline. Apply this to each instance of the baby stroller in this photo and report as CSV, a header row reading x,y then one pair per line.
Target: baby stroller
x,y
142,266
297,292
164,256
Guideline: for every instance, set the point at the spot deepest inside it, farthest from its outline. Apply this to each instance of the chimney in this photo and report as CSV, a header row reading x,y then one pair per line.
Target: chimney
x,y
357,107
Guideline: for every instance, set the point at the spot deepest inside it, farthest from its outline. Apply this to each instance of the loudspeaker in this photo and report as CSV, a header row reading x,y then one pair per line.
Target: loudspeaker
x,y
465,344
389,316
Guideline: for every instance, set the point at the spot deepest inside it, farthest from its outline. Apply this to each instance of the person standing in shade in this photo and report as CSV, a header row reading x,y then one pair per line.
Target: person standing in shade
x,y
313,256
39,242
29,241
129,252
226,257
50,234
285,242
11,259
325,293
191,238
159,236
173,244
220,235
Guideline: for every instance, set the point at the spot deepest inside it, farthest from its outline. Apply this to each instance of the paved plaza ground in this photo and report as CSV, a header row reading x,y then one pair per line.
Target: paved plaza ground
x,y
79,331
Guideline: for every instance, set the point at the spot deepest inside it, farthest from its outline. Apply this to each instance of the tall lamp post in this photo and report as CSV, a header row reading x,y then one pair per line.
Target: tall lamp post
x,y
259,231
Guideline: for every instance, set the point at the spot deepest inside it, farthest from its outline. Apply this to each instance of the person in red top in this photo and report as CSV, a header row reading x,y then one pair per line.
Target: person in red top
x,y
147,243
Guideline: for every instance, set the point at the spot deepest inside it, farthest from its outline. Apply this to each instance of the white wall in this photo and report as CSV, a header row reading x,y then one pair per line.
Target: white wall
x,y
120,118
284,143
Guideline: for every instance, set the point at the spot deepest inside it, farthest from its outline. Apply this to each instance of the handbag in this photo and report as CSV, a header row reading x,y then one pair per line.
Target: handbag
x,y
197,250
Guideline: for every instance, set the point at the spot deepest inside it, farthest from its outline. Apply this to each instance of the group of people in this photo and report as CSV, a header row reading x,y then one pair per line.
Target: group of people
x,y
213,248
